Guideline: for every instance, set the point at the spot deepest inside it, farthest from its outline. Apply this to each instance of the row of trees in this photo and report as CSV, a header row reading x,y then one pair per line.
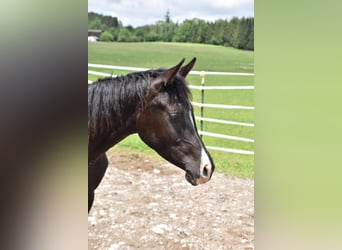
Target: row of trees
x,y
237,32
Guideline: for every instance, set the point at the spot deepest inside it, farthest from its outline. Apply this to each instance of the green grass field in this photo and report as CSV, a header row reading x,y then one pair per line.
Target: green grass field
x,y
209,58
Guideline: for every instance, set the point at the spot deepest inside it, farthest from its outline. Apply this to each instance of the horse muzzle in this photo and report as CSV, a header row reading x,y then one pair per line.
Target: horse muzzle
x,y
204,175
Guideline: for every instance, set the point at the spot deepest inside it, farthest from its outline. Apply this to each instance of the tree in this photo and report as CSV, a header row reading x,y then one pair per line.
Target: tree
x,y
106,21
114,32
193,31
141,32
232,31
111,22
124,35
151,36
250,37
238,32
167,16
127,35
106,36
96,24
182,32
217,32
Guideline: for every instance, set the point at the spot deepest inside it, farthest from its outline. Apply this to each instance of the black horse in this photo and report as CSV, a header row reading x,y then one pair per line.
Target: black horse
x,y
156,105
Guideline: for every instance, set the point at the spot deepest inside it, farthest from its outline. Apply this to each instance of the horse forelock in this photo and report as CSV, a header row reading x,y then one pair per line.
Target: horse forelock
x,y
178,90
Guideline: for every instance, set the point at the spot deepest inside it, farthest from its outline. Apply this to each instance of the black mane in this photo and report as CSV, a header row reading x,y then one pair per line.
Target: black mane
x,y
109,99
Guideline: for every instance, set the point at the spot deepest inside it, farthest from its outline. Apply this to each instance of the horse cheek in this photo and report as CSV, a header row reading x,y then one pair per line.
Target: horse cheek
x,y
145,130
141,124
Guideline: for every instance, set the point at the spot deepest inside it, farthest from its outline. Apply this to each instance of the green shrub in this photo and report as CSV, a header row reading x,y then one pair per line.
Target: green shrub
x,y
106,37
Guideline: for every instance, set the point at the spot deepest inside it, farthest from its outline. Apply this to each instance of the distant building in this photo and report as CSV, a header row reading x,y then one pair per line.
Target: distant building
x,y
93,38
94,35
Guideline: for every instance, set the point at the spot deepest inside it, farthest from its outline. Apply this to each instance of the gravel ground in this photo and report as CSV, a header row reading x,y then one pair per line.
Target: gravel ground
x,y
147,204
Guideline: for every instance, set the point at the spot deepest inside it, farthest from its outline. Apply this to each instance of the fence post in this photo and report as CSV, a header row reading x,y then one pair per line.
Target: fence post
x,y
202,74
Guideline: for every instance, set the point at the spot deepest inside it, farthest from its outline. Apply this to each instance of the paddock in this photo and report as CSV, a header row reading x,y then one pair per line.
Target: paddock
x,y
144,202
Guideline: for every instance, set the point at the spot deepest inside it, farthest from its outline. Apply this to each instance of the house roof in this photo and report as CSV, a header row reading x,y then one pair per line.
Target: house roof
x,y
95,31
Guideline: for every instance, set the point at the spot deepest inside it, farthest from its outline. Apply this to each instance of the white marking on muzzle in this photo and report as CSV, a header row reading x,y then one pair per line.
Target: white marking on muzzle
x,y
205,161
205,167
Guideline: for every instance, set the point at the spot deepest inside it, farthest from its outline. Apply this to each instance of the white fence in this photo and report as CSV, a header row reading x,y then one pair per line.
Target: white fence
x,y
203,105
224,106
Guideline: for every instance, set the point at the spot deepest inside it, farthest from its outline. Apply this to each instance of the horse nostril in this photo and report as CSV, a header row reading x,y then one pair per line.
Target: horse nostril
x,y
205,172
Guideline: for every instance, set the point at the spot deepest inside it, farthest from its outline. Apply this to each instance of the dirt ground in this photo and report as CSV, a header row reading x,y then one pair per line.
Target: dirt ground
x,y
145,203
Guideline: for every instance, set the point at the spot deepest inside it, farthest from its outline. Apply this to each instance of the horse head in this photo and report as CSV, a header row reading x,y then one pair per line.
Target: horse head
x,y
166,123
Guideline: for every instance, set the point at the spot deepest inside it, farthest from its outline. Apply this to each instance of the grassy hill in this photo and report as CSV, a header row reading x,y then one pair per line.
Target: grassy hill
x,y
209,58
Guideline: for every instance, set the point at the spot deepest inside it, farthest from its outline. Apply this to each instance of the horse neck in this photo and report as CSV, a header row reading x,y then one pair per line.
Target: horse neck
x,y
114,117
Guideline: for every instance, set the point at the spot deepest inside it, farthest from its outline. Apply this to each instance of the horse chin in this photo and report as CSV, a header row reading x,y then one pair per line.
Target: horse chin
x,y
190,179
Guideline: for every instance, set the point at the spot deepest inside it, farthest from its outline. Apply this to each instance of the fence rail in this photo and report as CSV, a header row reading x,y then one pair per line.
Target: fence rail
x,y
99,73
220,87
202,105
92,65
224,121
230,137
231,150
220,106
193,72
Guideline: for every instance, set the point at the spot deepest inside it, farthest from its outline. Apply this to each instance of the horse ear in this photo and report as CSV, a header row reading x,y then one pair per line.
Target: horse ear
x,y
166,77
186,69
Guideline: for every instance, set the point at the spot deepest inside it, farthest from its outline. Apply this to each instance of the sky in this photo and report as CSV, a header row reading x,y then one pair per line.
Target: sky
x,y
141,12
